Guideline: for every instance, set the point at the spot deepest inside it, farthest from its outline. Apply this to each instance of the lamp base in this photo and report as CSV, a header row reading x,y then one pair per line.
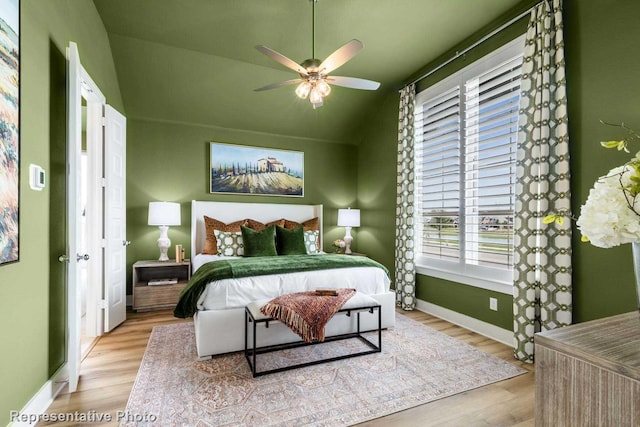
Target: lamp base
x,y
347,240
163,243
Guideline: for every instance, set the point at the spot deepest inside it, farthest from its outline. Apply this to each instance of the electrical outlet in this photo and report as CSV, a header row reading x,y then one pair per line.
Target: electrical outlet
x,y
493,304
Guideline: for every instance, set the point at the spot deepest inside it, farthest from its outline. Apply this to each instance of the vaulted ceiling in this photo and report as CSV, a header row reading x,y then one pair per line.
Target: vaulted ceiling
x,y
194,61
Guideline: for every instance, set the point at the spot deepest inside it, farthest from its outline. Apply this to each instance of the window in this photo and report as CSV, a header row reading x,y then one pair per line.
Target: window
x,y
466,134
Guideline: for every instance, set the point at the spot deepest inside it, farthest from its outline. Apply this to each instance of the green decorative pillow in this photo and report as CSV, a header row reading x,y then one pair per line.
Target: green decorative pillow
x,y
290,242
259,243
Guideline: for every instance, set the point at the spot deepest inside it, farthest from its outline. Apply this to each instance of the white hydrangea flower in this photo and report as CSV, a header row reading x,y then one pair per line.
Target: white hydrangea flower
x,y
606,218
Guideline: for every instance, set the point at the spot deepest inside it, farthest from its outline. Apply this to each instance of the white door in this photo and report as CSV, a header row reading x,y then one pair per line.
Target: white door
x,y
74,138
115,219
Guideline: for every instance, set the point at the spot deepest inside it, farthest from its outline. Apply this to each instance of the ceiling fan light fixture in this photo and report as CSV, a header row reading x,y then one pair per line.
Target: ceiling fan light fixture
x,y
303,89
323,88
315,97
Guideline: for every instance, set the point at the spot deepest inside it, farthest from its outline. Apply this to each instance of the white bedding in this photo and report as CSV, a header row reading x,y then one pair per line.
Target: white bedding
x,y
233,293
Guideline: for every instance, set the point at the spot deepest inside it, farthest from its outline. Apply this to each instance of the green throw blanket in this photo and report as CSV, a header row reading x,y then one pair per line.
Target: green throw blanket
x,y
260,266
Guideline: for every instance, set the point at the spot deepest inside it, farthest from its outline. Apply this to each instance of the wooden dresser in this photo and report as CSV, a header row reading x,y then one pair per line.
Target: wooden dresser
x,y
588,374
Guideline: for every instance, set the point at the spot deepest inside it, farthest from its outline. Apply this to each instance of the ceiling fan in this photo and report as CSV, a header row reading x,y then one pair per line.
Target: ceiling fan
x,y
314,74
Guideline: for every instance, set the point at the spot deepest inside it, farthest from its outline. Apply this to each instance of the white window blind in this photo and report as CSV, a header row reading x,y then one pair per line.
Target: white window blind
x,y
466,134
439,174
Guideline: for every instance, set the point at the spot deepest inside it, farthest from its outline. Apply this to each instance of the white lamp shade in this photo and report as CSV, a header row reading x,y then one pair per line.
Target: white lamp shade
x,y
349,217
164,213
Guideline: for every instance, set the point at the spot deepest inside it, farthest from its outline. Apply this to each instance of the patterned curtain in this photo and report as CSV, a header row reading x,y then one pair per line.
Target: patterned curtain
x,y
405,266
542,288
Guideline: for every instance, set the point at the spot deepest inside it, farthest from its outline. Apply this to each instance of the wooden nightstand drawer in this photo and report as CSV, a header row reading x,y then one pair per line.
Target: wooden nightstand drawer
x,y
153,297
156,297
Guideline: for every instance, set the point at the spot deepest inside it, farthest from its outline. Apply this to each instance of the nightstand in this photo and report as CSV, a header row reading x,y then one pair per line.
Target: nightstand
x,y
157,284
354,254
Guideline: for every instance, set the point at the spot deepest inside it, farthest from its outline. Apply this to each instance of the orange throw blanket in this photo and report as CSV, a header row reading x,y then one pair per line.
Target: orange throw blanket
x,y
305,312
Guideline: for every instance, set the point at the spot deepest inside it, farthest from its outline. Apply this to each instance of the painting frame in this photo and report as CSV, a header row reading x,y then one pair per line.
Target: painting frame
x,y
258,171
10,131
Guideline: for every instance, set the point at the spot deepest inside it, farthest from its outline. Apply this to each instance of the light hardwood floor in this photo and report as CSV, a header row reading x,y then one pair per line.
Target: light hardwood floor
x,y
109,370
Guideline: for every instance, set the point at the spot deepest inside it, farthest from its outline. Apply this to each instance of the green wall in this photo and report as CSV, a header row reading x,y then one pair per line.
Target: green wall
x,y
170,162
377,183
31,305
602,84
469,300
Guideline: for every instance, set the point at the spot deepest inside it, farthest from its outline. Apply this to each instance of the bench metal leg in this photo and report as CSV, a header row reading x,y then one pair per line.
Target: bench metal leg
x,y
249,355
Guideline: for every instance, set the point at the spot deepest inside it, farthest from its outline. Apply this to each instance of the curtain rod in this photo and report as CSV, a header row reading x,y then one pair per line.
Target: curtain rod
x,y
472,46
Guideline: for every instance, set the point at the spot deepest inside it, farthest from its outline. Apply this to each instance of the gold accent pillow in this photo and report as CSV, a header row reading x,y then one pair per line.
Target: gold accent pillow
x,y
211,224
258,226
308,225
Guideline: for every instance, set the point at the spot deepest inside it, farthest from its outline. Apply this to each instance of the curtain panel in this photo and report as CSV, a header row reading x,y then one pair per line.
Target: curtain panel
x,y
405,232
542,276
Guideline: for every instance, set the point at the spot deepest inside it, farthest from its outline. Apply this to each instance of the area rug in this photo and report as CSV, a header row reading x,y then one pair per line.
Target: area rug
x,y
417,365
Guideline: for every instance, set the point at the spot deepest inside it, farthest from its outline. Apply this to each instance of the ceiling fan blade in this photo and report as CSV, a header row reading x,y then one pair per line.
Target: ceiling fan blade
x,y
353,83
340,56
280,84
289,63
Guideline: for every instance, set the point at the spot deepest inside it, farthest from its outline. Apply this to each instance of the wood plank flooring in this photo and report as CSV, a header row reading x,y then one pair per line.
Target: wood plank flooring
x,y
109,370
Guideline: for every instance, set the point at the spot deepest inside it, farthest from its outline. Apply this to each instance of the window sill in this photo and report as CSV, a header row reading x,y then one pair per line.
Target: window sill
x,y
502,287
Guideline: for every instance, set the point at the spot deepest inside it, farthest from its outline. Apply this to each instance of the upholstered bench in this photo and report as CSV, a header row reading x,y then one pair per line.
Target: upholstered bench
x,y
357,304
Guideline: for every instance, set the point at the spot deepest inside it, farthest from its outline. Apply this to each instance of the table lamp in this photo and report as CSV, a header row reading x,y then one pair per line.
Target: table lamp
x,y
164,214
348,218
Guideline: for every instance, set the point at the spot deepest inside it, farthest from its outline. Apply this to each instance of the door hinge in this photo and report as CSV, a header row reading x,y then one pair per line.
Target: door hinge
x,y
102,303
104,121
103,243
104,182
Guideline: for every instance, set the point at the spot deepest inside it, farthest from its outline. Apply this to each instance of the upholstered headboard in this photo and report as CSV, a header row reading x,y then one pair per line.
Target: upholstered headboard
x,y
230,211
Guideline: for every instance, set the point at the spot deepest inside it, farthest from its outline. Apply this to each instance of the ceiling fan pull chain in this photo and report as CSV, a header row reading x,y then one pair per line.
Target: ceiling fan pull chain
x,y
313,28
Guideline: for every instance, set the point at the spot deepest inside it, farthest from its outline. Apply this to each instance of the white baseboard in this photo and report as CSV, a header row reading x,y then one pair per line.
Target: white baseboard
x,y
483,328
40,402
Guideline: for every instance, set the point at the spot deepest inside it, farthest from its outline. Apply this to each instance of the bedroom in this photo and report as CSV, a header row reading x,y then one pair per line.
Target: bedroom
x,y
601,80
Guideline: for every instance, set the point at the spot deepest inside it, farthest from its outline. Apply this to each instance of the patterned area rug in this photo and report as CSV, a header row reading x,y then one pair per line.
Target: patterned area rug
x,y
417,365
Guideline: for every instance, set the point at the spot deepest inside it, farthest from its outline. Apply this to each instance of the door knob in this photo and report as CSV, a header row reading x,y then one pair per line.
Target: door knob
x,y
63,258
126,242
84,257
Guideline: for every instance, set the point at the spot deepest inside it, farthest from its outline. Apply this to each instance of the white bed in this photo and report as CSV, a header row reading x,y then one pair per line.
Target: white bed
x,y
220,319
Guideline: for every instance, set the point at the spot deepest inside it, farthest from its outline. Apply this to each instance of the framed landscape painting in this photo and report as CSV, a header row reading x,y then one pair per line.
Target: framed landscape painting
x,y
9,130
239,169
